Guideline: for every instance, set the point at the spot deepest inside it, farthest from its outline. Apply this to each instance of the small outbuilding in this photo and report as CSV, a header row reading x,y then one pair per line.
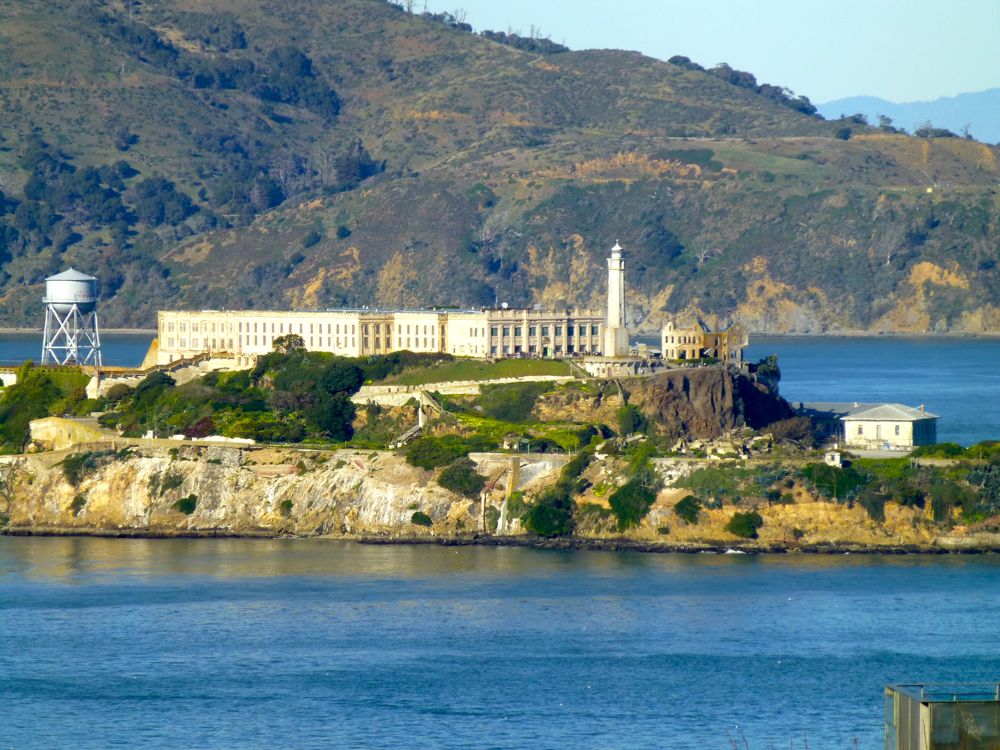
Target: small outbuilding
x,y
942,717
873,426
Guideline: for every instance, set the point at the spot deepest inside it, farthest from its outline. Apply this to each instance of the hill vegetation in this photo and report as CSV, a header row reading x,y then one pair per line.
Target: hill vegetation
x,y
311,154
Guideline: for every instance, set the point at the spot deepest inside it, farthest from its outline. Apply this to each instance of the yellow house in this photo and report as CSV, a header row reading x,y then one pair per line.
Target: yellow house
x,y
698,340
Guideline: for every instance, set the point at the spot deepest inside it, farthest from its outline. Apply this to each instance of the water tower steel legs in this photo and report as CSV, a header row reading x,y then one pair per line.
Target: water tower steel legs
x,y
73,339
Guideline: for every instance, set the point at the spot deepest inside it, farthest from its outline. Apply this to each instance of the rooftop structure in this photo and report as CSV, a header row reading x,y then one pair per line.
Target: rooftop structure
x,y
942,717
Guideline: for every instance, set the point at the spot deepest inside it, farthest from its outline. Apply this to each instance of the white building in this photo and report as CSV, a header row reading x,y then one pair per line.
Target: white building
x,y
486,333
874,426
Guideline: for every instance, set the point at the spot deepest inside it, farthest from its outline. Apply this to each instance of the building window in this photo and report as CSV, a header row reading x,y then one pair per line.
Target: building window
x,y
545,330
170,343
594,330
897,429
517,330
532,348
861,429
558,330
506,330
532,330
494,331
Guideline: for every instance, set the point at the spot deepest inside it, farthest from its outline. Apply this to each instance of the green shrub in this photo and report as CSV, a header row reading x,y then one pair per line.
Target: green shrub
x,y
745,525
631,420
311,239
285,506
663,530
76,465
510,402
516,506
420,518
939,450
631,502
186,505
430,452
688,508
551,515
462,477
492,517
830,481
77,505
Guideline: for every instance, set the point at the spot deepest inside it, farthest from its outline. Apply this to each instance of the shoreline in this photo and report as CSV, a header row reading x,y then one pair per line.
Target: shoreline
x,y
533,542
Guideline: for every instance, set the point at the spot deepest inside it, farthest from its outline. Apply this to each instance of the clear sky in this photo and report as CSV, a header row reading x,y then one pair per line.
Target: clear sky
x,y
900,50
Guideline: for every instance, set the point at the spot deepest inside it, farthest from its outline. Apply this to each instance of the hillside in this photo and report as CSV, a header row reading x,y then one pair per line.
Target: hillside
x,y
315,154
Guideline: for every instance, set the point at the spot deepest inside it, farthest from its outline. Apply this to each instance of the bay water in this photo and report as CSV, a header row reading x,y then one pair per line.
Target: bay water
x,y
310,643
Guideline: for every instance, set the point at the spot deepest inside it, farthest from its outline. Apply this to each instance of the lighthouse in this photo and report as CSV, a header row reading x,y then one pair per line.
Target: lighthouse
x,y
615,332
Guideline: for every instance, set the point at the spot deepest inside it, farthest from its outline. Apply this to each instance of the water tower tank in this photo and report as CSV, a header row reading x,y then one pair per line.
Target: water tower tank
x,y
69,288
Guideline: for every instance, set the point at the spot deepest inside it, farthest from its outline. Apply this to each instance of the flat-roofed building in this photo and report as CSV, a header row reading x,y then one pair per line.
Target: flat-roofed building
x,y
494,333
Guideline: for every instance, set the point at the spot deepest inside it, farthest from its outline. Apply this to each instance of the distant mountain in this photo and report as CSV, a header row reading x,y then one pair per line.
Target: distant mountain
x,y
979,111
310,154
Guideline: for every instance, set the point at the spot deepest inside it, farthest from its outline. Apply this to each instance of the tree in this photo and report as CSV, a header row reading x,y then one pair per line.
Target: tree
x,y
290,343
631,420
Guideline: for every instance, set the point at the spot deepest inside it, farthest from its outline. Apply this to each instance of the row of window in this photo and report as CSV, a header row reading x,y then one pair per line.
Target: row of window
x,y
581,330
496,350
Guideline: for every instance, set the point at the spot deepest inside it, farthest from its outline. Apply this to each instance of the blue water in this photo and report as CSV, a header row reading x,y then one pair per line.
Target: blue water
x,y
117,349
261,644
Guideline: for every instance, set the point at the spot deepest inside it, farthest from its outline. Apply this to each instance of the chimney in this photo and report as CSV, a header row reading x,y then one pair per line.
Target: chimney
x,y
922,409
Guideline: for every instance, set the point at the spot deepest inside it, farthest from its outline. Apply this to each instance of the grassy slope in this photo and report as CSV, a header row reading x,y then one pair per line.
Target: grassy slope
x,y
475,370
505,179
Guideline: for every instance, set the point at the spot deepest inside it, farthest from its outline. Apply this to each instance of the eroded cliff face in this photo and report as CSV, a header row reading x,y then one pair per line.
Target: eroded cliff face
x,y
346,493
359,494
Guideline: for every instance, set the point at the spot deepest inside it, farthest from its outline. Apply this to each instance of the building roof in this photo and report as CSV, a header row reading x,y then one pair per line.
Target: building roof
x,y
71,275
868,412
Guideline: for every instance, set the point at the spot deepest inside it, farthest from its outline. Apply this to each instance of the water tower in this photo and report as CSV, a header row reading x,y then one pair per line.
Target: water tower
x,y
71,335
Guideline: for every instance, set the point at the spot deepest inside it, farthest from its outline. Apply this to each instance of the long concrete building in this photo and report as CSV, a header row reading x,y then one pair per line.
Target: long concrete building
x,y
246,334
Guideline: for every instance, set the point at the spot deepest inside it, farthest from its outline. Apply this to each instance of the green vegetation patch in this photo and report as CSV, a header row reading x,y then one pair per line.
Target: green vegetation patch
x,y
470,369
461,477
510,402
186,505
431,452
745,525
38,393
688,508
419,518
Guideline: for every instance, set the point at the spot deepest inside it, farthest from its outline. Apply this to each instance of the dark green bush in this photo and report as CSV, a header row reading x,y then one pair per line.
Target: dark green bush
x,y
186,505
420,518
462,477
745,525
77,505
939,450
688,508
311,239
430,452
76,465
170,481
510,402
631,502
285,506
830,481
551,515
631,420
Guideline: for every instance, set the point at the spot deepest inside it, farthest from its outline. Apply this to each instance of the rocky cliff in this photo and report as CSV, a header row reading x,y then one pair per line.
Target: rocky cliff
x,y
374,495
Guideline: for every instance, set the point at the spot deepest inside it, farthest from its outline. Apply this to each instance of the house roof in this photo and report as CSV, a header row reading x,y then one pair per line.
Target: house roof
x,y
868,412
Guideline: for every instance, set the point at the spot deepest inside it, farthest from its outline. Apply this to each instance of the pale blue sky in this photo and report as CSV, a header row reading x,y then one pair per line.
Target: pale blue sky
x,y
826,49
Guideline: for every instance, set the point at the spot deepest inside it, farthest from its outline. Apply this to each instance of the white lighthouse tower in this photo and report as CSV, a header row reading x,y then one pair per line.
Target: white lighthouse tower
x,y
71,334
615,332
